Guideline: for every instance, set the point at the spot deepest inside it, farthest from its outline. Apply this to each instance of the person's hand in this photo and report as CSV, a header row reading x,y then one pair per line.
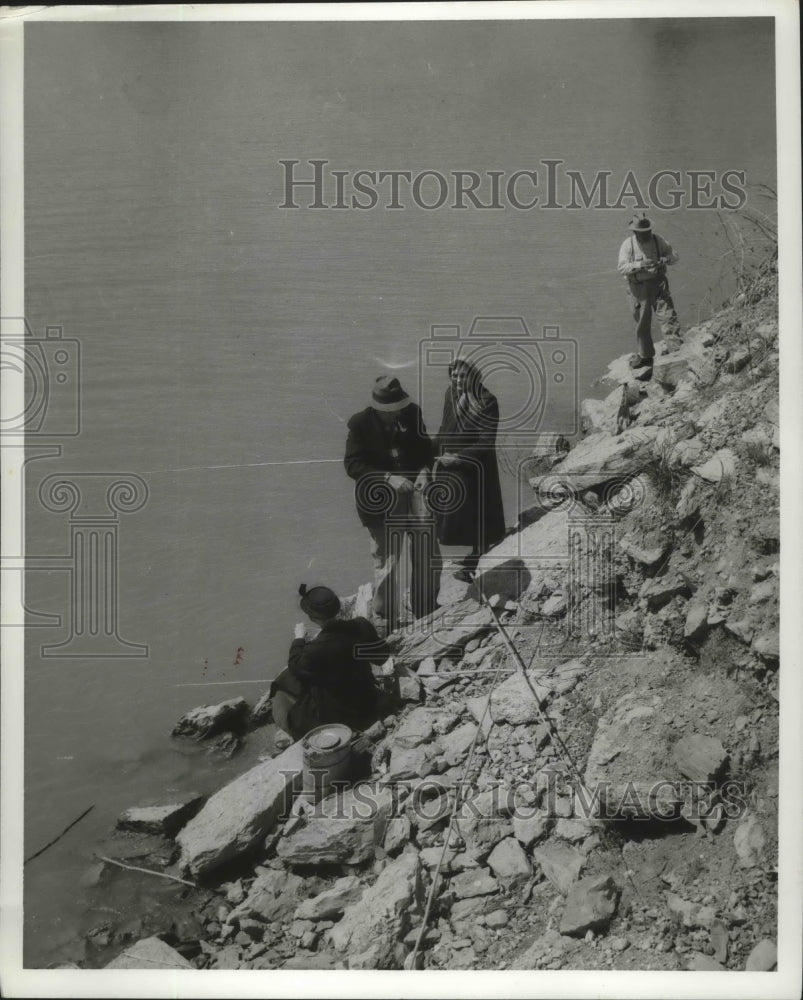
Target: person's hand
x,y
300,631
448,461
422,479
401,484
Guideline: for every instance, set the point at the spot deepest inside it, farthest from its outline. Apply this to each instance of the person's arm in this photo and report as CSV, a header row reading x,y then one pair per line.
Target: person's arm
x,y
357,458
665,251
627,264
307,662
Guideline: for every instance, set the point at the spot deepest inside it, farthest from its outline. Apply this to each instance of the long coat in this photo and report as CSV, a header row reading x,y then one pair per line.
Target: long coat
x,y
368,450
329,678
479,520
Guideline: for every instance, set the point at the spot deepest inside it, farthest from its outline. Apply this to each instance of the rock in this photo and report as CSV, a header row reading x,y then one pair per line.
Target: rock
x,y
763,958
344,829
150,953
474,883
397,834
669,370
416,729
166,820
573,830
696,620
330,904
457,744
687,453
281,739
428,674
648,557
749,841
554,606
507,860
527,829
697,962
718,936
692,914
207,720
516,700
409,688
443,633
590,905
496,919
416,762
263,711
561,864
721,464
241,814
628,771
737,361
598,459
767,645
477,706
273,896
700,758
371,928
659,590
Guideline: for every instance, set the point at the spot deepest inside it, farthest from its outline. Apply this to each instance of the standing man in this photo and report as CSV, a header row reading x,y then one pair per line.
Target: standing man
x,y
389,456
643,259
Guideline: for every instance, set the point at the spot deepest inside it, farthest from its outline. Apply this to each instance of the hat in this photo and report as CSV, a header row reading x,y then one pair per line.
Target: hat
x,y
319,602
640,225
388,394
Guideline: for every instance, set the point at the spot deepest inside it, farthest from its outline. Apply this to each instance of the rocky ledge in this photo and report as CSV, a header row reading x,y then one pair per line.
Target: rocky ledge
x,y
605,800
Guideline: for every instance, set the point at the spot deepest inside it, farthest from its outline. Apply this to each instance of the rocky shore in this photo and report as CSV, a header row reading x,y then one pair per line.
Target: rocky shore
x,y
613,805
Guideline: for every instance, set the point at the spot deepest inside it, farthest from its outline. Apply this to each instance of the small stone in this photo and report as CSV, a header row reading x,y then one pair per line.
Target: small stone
x,y
618,944
529,829
507,860
474,883
718,936
749,841
496,919
698,962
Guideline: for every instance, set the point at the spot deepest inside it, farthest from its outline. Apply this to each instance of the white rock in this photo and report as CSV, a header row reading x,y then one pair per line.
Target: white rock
x,y
456,745
527,829
331,903
516,700
344,829
508,860
763,958
235,818
150,953
721,464
749,841
371,928
561,864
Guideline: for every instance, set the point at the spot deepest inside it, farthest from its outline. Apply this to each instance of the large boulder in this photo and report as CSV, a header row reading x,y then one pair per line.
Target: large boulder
x,y
598,459
443,633
166,820
345,829
150,953
242,813
629,768
208,720
373,928
273,896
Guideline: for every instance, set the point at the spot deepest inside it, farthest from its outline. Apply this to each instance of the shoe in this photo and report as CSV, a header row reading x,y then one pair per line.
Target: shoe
x,y
638,362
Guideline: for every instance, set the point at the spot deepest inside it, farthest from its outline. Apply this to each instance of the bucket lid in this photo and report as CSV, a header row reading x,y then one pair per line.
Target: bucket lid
x,y
328,737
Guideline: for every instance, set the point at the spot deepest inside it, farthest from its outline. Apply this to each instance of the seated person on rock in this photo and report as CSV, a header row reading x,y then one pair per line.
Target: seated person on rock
x,y
328,678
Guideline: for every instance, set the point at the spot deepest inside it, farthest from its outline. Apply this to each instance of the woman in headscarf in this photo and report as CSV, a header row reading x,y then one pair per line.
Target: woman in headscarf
x,y
466,445
328,678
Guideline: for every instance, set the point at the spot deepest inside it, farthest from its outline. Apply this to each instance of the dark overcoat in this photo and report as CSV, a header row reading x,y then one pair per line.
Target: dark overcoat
x,y
479,520
369,449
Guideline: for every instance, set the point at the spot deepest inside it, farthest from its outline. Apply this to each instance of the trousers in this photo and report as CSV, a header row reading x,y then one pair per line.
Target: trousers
x,y
648,297
408,521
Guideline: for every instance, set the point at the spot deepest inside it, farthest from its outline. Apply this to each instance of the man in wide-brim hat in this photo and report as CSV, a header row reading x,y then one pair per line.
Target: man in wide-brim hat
x,y
389,455
643,259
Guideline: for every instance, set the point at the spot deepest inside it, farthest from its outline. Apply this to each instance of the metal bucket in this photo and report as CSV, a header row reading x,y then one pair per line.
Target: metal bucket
x,y
326,754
